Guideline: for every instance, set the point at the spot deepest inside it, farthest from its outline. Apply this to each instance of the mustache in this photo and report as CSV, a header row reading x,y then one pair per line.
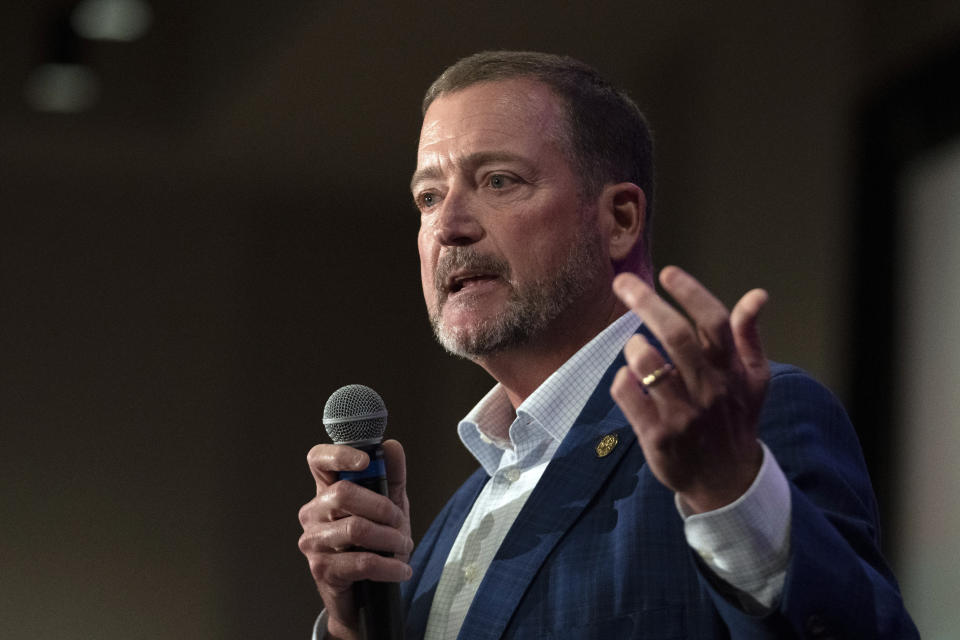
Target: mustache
x,y
467,259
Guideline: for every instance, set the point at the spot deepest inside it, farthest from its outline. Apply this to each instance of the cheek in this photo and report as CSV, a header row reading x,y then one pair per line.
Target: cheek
x,y
427,263
426,281
528,244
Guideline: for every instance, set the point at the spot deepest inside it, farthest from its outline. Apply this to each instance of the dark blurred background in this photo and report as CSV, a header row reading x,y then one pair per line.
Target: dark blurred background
x,y
205,229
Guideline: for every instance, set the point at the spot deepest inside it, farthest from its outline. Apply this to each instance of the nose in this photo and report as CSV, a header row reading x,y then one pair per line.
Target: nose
x,y
456,223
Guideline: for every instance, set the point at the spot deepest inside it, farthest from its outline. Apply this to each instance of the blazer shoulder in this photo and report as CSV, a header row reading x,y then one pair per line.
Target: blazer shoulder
x,y
788,382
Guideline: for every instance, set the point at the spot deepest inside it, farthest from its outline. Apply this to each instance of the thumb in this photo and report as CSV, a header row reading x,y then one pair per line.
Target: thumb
x,y
746,335
396,463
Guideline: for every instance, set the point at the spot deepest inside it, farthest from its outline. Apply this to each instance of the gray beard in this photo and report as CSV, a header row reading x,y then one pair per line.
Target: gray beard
x,y
531,308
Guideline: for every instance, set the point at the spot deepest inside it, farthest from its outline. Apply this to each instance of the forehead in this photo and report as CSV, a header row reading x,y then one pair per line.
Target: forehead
x,y
502,115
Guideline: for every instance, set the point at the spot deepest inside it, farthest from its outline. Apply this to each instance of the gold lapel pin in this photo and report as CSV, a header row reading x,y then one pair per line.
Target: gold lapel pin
x,y
607,444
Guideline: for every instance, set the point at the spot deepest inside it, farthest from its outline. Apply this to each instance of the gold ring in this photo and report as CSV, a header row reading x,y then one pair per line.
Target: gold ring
x,y
652,379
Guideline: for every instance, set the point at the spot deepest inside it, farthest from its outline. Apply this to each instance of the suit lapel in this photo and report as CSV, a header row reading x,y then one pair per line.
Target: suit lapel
x,y
568,484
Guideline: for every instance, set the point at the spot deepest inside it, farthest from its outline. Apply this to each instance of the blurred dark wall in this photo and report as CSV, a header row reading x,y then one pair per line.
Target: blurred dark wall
x,y
185,275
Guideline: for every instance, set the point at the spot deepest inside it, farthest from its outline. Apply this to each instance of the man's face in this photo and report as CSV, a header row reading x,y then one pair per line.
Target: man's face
x,y
506,245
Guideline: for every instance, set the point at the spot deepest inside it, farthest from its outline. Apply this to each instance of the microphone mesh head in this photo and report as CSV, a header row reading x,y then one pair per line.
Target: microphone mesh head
x,y
355,413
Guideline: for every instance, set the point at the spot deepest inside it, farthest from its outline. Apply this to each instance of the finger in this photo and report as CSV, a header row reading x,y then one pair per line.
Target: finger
x,y
709,315
669,325
638,407
345,498
396,462
339,570
326,507
353,532
327,460
666,388
642,358
744,321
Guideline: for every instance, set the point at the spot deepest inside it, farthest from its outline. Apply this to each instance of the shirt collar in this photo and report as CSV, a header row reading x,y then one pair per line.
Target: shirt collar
x,y
543,420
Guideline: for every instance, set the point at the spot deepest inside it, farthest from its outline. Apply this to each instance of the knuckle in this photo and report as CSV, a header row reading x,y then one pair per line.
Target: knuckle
x,y
311,543
338,494
331,537
314,456
634,344
679,336
317,567
326,570
633,355
364,563
392,516
304,514
356,529
329,503
323,572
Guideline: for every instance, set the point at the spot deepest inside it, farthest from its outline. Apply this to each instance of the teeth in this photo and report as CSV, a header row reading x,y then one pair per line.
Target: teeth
x,y
459,282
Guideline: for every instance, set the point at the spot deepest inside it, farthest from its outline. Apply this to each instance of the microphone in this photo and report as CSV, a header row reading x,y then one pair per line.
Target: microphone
x,y
356,416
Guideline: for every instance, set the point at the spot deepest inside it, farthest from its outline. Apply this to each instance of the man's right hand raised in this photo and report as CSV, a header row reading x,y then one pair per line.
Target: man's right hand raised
x,y
343,519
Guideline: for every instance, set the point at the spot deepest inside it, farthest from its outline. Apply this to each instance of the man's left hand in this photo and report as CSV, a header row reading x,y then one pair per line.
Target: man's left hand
x,y
696,418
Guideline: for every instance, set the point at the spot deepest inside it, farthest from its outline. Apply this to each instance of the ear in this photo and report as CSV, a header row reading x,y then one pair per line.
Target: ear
x,y
624,209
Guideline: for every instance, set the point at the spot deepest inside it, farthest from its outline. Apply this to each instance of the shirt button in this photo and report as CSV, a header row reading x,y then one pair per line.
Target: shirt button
x,y
512,474
470,572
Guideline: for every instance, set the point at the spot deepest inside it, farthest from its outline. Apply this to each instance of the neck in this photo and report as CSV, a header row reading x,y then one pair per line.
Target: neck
x,y
522,369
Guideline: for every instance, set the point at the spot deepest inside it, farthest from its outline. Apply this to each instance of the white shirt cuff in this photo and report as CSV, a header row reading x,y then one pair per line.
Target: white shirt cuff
x,y
320,626
747,542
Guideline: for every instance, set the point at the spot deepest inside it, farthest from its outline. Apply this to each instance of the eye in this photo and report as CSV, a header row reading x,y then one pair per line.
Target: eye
x,y
426,200
500,181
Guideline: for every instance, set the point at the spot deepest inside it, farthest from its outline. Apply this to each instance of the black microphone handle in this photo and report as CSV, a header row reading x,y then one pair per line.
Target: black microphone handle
x,y
379,606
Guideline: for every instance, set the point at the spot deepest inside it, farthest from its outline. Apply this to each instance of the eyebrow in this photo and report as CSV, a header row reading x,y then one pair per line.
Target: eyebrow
x,y
473,160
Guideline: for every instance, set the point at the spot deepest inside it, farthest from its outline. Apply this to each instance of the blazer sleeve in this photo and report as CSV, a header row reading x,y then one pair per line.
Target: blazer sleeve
x,y
837,585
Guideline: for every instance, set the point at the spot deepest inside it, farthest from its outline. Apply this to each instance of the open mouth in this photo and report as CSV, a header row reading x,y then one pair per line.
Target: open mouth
x,y
465,282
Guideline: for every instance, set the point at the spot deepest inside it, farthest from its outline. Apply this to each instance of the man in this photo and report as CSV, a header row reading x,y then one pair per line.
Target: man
x,y
678,486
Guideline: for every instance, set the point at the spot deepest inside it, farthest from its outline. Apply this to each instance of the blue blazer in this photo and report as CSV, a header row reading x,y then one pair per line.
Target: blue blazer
x,y
598,550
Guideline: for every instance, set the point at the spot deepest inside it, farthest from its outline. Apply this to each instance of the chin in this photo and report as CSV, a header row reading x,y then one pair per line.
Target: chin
x,y
463,319
480,337
461,337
